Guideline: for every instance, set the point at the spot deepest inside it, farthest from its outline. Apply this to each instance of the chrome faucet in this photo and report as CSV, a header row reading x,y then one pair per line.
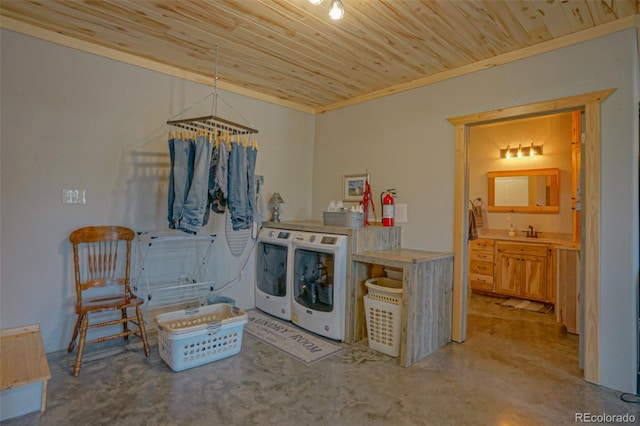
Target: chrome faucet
x,y
531,233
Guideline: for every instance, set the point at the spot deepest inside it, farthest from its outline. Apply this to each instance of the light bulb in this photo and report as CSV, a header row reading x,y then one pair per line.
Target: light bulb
x,y
519,151
507,154
337,10
315,2
532,151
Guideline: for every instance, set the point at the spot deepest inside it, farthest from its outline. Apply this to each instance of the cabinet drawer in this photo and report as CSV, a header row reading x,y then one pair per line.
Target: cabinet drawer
x,y
481,256
481,245
481,282
482,268
487,279
522,248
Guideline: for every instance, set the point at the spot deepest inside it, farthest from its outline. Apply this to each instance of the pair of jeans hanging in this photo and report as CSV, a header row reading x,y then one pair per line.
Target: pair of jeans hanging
x,y
188,183
241,186
218,178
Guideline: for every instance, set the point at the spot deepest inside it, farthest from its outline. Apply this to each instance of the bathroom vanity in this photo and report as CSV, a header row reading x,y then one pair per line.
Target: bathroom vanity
x,y
539,269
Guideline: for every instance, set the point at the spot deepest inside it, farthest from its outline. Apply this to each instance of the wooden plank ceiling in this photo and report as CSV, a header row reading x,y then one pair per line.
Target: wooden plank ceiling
x,y
289,52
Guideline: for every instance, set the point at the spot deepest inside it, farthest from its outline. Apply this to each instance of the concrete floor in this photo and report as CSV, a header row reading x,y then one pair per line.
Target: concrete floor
x,y
516,368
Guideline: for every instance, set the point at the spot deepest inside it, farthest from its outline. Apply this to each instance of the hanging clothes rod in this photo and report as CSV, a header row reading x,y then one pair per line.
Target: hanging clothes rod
x,y
212,123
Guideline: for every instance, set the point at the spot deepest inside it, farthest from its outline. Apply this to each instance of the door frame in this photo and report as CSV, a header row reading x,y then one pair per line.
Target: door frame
x,y
590,103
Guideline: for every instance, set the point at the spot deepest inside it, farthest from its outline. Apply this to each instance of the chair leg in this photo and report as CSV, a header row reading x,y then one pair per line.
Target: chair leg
x,y
72,344
83,335
125,324
143,332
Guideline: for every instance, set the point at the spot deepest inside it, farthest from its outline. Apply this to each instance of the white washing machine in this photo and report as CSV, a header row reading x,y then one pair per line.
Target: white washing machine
x,y
319,283
274,259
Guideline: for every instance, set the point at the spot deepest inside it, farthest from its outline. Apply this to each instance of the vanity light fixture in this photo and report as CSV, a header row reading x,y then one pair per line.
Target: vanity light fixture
x,y
337,10
519,152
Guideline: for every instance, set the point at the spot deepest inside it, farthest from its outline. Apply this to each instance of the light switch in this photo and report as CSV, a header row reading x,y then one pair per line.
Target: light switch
x,y
74,196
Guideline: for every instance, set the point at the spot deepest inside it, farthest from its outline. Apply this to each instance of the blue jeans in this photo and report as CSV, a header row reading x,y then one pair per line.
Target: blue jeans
x,y
172,195
189,215
238,188
252,157
218,181
180,178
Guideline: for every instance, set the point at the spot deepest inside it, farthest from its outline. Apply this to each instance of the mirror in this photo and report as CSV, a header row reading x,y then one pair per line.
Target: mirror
x,y
524,191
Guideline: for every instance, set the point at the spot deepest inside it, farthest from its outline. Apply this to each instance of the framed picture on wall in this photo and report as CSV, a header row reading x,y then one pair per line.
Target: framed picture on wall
x,y
353,187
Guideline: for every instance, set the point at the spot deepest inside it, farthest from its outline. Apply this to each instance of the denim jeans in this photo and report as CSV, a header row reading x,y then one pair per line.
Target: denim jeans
x,y
238,188
252,157
188,216
181,176
218,192
172,195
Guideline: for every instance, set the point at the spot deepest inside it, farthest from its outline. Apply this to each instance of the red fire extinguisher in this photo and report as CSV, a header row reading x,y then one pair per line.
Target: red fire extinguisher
x,y
387,207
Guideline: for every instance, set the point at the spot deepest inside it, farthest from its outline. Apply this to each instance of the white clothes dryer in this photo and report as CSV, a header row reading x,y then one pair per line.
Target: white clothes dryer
x,y
273,272
319,283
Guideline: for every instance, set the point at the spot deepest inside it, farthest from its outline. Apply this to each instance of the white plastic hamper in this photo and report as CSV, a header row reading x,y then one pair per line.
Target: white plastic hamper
x,y
193,337
383,307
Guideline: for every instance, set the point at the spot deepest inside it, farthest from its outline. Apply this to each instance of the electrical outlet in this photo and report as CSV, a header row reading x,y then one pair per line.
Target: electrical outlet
x,y
507,218
74,196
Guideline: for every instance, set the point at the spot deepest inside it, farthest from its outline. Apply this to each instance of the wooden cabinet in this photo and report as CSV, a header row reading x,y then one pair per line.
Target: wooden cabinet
x,y
481,265
512,268
521,270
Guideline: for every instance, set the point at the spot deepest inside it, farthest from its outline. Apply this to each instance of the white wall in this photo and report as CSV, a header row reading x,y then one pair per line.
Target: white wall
x,y
406,142
75,120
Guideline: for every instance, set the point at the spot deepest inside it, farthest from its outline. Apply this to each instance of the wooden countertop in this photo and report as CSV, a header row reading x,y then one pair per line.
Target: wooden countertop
x,y
399,256
560,240
23,358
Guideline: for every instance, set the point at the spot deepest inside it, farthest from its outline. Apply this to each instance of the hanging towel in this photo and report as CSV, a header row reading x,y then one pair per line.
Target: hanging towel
x,y
478,212
262,212
473,230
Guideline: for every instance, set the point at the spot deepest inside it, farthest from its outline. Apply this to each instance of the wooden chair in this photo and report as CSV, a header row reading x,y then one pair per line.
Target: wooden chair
x,y
102,259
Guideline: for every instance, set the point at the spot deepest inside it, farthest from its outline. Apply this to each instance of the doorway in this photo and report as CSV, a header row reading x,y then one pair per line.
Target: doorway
x,y
590,103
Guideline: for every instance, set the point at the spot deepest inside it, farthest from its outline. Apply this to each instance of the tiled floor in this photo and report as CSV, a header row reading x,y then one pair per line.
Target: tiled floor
x,y
516,368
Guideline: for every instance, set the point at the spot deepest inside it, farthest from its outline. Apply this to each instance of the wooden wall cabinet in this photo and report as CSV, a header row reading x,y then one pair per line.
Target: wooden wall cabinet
x,y
522,270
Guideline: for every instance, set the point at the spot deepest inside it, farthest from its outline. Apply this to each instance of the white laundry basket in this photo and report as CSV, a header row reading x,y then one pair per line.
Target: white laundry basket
x,y
194,337
383,307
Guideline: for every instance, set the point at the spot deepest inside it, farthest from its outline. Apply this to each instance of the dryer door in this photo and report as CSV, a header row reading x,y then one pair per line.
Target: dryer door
x,y
271,274
313,279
